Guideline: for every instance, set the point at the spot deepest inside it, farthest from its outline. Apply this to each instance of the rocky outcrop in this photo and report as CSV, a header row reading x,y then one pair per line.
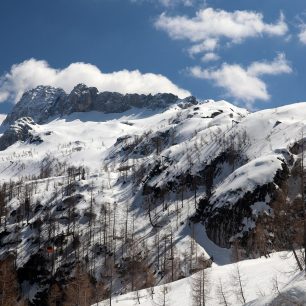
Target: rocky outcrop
x,y
45,102
229,222
39,104
80,99
21,130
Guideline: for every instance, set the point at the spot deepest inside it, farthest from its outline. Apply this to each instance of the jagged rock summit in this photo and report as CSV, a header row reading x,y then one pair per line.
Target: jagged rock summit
x,y
38,103
45,102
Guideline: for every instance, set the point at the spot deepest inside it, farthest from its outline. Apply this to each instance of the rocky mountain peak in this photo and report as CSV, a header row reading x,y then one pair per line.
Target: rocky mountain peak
x,y
36,103
45,102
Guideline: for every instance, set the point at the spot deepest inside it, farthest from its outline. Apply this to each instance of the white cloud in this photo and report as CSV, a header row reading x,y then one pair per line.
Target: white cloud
x,y
244,83
278,66
302,34
209,44
212,25
175,2
169,3
210,57
32,72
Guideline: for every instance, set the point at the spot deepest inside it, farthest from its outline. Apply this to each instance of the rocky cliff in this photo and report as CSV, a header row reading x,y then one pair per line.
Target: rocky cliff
x,y
45,102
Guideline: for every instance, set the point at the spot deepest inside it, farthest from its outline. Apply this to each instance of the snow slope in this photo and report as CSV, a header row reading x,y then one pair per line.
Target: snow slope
x,y
258,277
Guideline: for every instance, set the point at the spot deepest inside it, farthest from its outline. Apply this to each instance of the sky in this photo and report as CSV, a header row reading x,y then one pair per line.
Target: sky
x,y
250,53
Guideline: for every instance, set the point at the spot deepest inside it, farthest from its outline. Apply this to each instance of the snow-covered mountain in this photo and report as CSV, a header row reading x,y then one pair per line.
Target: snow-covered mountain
x,y
111,193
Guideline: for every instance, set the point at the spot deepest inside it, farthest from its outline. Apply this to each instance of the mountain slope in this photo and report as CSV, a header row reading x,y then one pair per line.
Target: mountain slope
x,y
260,276
168,189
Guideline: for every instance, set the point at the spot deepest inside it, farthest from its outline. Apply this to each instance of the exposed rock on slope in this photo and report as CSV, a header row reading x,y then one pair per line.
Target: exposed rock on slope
x,y
39,104
21,130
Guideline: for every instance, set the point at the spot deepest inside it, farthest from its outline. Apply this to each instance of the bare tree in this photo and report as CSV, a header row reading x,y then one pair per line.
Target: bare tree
x,y
282,298
151,292
56,294
238,282
137,297
80,290
200,288
9,289
303,199
2,202
162,298
222,294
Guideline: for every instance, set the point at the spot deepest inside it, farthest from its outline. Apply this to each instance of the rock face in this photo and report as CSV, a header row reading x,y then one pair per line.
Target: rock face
x,y
21,130
227,223
39,104
45,102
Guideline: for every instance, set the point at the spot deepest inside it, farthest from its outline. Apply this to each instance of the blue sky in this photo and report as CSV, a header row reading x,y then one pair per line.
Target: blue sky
x,y
248,52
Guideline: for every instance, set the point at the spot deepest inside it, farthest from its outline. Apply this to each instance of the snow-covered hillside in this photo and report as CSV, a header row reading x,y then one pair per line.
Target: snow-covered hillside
x,y
148,195
266,281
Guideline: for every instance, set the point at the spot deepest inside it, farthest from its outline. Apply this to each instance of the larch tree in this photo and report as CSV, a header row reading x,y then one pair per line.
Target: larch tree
x,y
9,288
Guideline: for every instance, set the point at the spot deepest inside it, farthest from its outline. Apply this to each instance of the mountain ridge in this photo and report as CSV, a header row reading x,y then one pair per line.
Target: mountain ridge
x,y
44,102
